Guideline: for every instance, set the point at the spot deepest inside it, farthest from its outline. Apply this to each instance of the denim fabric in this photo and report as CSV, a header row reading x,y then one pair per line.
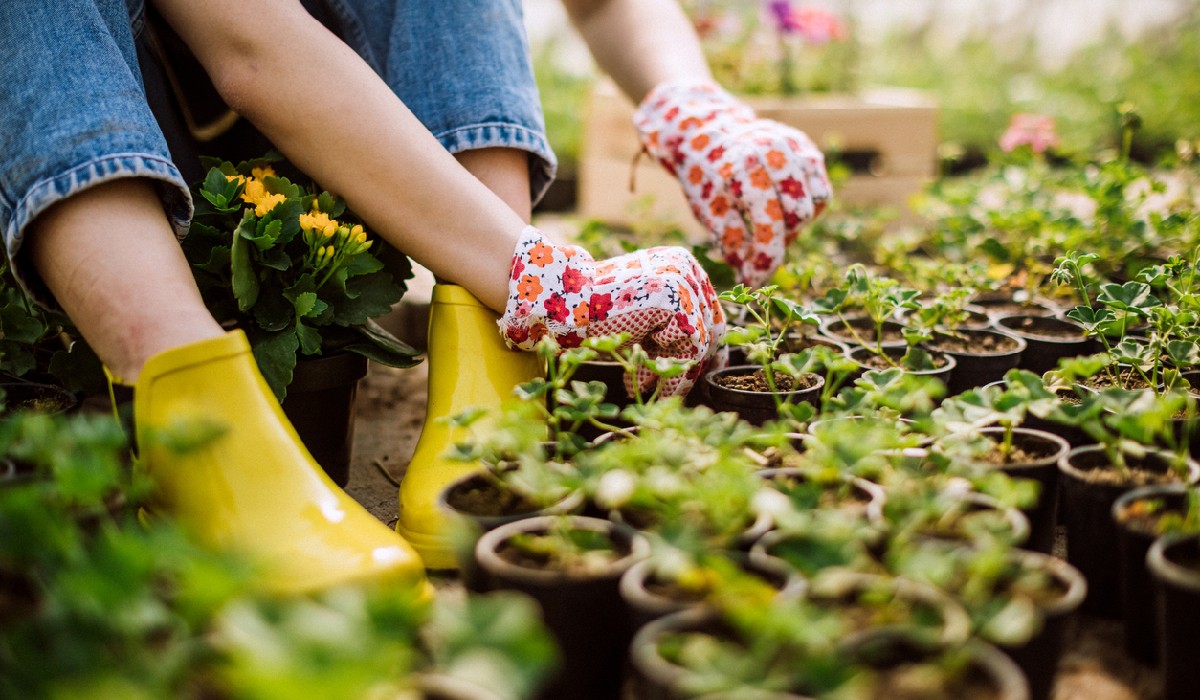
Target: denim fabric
x,y
73,109
73,114
462,67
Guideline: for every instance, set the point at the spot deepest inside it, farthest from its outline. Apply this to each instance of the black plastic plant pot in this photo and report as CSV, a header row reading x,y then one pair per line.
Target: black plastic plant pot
x,y
1044,451
860,495
655,677
1073,435
756,407
1135,535
1038,658
320,404
1005,303
1047,339
478,504
983,356
1088,495
582,609
1174,563
857,330
935,617
987,673
869,358
650,596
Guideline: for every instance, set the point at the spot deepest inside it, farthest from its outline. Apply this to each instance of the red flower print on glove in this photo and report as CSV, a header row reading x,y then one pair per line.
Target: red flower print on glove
x,y
754,183
660,296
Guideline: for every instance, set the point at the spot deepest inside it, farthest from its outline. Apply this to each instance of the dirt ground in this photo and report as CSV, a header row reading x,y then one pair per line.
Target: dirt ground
x,y
391,409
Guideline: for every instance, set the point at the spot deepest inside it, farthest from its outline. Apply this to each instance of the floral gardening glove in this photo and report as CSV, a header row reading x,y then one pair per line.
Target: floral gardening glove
x,y
661,296
753,182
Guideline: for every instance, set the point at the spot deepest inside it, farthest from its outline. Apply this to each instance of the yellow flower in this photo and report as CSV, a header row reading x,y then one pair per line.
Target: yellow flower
x,y
267,203
254,191
329,229
264,171
231,178
314,221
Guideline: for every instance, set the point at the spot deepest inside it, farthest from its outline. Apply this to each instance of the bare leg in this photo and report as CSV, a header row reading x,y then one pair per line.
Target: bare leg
x,y
505,171
110,257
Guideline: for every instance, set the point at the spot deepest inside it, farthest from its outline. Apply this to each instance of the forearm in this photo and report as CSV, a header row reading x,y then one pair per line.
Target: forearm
x,y
332,116
639,43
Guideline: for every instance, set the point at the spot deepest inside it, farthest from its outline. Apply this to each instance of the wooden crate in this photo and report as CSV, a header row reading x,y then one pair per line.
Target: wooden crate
x,y
891,133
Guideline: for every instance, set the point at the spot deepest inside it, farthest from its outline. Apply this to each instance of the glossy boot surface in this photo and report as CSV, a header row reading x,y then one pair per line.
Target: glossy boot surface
x,y
255,489
469,366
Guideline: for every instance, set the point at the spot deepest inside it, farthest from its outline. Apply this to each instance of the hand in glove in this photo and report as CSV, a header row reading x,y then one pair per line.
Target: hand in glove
x,y
754,183
660,296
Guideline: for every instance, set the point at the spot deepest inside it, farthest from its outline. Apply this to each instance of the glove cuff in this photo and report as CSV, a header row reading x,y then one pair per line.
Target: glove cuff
x,y
674,108
549,292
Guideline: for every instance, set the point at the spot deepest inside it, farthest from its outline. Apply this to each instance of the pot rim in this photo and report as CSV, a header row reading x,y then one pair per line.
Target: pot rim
x,y
1064,447
1168,571
1063,571
1021,344
711,374
1030,335
489,559
1066,467
569,502
951,360
1143,492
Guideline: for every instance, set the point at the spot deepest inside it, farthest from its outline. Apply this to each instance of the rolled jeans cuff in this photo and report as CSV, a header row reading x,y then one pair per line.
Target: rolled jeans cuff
x,y
542,163
172,190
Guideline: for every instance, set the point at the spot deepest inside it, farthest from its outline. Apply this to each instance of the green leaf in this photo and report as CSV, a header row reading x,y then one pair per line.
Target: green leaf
x,y
305,302
245,280
218,261
373,295
331,205
309,338
1131,296
275,354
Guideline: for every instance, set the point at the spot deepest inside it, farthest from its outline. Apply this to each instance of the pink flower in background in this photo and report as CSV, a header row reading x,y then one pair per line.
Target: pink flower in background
x,y
815,25
1033,130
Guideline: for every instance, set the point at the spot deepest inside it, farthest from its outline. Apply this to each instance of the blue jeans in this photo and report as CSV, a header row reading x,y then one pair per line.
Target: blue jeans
x,y
73,110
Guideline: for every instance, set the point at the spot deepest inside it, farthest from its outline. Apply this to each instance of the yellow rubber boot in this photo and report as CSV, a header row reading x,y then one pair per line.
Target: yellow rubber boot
x,y
469,366
255,489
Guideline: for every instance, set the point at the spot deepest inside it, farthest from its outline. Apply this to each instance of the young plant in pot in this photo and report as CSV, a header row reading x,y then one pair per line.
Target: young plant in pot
x,y
921,323
1174,565
1127,425
1142,516
756,391
880,300
571,565
981,356
994,412
685,475
295,270
1020,601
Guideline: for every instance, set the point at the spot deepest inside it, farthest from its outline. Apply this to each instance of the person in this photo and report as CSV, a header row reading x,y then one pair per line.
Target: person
x,y
423,116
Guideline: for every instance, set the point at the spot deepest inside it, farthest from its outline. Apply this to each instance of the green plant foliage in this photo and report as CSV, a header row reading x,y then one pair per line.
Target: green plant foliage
x,y
294,269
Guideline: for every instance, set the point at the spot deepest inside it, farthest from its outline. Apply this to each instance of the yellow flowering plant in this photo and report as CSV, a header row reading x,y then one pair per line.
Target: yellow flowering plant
x,y
293,268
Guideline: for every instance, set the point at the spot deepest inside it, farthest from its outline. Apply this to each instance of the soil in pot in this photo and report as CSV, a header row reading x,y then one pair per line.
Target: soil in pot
x,y
1047,340
983,356
743,389
1174,562
1090,485
906,669
869,359
999,304
1138,515
1035,456
855,331
650,594
481,503
578,594
853,495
